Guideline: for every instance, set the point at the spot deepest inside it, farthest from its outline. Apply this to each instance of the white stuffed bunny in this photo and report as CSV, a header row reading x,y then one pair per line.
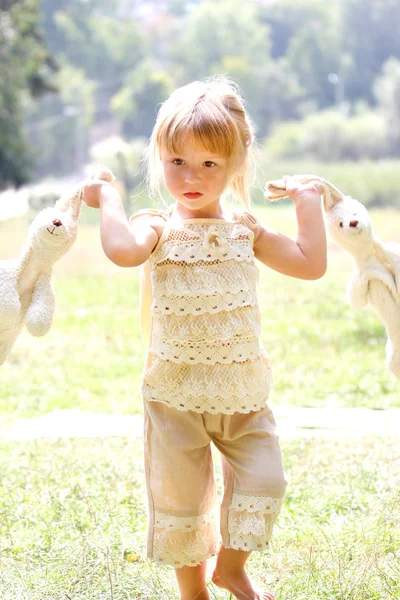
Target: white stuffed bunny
x,y
376,274
26,293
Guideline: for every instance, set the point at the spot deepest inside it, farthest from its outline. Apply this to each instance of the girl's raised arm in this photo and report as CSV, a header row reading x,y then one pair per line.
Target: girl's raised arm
x,y
123,245
306,257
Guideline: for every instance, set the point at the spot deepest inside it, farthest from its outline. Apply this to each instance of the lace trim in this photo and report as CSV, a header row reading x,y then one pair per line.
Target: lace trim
x,y
205,280
217,405
262,504
251,541
204,304
212,326
239,349
251,520
191,242
185,541
175,383
172,523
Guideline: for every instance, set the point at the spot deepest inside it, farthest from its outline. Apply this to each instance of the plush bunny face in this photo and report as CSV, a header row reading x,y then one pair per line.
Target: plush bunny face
x,y
349,224
52,233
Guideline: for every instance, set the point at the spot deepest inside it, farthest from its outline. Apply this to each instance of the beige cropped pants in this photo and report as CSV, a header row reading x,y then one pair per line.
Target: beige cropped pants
x,y
183,519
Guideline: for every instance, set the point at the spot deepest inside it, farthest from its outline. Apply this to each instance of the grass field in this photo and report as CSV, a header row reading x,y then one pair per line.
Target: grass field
x,y
72,512
323,352
73,523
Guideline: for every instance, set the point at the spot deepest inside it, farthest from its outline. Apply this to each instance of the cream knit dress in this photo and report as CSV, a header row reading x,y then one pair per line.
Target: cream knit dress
x,y
200,321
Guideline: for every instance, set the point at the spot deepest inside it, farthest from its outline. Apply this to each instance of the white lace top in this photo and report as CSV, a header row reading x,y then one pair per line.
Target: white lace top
x,y
200,315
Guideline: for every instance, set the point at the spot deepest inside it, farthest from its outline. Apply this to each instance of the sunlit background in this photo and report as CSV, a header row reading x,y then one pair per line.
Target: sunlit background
x,y
81,80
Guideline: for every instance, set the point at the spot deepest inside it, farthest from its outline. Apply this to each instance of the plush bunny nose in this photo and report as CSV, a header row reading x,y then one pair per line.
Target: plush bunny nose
x,y
57,222
353,223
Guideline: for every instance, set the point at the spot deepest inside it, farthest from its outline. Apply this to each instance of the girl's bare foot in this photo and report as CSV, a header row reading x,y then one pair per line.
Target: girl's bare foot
x,y
238,583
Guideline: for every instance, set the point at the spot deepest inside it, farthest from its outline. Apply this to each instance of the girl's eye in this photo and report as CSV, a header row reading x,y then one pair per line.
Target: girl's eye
x,y
210,163
178,161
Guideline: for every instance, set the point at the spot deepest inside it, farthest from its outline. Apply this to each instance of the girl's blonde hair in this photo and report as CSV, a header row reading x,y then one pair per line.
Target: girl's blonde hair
x,y
213,112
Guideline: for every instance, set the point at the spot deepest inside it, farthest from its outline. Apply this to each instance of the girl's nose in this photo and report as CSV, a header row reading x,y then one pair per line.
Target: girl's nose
x,y
192,176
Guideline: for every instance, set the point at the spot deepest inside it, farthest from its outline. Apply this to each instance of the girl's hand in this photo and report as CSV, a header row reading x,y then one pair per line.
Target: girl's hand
x,y
296,190
92,189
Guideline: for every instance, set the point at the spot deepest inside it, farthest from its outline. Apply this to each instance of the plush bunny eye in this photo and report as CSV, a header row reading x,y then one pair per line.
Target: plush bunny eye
x,y
341,223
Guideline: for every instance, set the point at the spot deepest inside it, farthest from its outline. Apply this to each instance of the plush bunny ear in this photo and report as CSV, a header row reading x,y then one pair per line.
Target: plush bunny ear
x,y
331,195
102,173
274,190
72,203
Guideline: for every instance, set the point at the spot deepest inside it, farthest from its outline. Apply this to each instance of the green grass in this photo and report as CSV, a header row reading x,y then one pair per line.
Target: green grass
x,y
74,512
323,352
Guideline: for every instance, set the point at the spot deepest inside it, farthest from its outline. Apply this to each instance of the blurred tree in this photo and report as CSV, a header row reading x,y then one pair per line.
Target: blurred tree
x,y
330,136
285,18
313,52
272,93
135,104
122,58
87,34
216,30
178,8
370,35
387,94
226,37
25,68
95,48
57,126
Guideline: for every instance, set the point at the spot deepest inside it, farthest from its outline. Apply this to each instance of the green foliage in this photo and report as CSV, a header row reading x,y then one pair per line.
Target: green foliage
x,y
290,59
135,103
101,45
313,52
236,42
224,29
374,183
387,93
124,160
89,35
331,136
286,19
25,66
370,38
57,126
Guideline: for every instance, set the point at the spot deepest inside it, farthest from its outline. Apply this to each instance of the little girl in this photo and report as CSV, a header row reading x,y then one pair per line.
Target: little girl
x,y
207,376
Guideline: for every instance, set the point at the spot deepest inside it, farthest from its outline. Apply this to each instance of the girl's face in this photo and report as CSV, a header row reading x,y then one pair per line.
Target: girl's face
x,y
196,179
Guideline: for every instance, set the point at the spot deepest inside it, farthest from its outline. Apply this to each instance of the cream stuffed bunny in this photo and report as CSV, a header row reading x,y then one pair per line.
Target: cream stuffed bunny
x,y
376,274
26,293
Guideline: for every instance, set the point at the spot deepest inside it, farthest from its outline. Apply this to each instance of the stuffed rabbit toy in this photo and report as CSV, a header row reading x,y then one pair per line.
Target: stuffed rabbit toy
x,y
376,274
26,293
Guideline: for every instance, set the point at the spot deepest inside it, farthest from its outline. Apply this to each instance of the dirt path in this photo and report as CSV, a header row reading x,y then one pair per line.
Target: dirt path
x,y
293,422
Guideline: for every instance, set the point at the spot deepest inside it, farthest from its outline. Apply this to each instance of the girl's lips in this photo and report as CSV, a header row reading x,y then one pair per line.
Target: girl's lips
x,y
192,195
